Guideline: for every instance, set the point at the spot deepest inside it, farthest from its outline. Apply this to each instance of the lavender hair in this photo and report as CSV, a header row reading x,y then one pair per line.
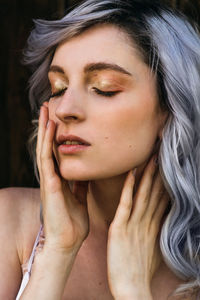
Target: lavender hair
x,y
170,46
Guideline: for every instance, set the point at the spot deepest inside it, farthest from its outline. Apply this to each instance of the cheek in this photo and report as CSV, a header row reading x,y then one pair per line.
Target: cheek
x,y
125,124
130,132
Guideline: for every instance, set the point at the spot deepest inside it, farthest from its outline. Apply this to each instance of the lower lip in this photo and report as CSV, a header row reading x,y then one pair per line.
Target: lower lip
x,y
70,149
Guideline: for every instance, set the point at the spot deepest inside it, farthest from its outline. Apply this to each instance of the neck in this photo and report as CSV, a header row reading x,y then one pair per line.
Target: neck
x,y
104,197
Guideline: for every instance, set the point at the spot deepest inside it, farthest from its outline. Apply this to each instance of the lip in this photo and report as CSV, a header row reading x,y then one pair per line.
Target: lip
x,y
62,138
71,149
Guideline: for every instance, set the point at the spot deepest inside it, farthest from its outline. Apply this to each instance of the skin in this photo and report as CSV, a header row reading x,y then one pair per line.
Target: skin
x,y
132,119
107,197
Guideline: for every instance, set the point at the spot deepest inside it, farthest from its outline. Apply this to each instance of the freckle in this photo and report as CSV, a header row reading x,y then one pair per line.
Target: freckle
x,y
130,146
106,138
100,283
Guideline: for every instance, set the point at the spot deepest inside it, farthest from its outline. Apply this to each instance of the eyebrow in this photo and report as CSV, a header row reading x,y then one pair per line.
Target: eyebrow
x,y
55,68
91,67
104,66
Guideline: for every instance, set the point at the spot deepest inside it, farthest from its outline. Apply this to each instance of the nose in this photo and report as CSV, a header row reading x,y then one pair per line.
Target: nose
x,y
71,108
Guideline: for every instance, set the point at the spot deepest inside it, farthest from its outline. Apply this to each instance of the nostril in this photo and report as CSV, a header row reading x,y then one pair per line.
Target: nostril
x,y
70,117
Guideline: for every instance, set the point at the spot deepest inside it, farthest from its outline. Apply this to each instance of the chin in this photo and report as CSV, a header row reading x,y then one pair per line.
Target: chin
x,y
86,175
75,177
74,174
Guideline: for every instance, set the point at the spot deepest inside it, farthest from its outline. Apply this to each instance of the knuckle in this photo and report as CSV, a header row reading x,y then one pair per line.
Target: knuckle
x,y
143,195
126,205
42,156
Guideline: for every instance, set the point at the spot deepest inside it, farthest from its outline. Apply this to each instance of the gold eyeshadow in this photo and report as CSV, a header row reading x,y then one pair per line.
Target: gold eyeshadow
x,y
103,84
108,81
59,84
102,80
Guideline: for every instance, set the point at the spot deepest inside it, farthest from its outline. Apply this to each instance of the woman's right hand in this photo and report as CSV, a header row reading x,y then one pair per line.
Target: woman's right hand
x,y
65,215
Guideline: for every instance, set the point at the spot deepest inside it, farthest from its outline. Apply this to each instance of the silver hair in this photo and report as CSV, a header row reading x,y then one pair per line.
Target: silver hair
x,y
170,46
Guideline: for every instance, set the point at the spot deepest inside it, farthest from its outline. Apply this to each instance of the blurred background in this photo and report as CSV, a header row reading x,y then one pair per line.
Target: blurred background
x,y
16,16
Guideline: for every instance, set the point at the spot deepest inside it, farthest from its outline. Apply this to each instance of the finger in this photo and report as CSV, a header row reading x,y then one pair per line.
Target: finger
x,y
124,208
46,104
41,133
162,207
155,197
80,189
158,215
47,162
49,168
142,195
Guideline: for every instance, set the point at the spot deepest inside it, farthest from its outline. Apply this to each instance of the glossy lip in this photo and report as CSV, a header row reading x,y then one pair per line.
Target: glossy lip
x,y
71,149
62,138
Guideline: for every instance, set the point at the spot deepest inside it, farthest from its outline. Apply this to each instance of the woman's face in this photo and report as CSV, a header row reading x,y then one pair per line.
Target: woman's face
x,y
106,95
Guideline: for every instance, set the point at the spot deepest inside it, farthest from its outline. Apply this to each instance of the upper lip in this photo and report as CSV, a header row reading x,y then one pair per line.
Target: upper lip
x,y
63,138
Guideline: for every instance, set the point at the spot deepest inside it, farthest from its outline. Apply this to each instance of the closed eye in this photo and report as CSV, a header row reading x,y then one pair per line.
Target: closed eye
x,y
57,94
105,93
99,92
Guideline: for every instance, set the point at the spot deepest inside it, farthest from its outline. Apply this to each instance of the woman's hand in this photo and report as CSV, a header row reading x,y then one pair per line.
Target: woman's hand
x,y
133,238
64,212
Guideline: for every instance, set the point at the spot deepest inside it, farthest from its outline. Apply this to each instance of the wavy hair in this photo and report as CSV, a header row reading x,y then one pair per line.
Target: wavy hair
x,y
170,45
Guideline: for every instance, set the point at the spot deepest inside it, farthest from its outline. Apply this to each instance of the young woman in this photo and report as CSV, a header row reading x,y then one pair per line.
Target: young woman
x,y
117,84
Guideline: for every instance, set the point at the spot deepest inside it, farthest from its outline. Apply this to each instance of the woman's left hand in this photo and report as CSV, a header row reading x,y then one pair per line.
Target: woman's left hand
x,y
133,238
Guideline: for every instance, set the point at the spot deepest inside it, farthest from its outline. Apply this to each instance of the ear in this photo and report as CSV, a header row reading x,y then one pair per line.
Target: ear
x,y
163,120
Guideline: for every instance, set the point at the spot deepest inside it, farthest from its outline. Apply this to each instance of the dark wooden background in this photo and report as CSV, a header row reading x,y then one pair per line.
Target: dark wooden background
x,y
15,116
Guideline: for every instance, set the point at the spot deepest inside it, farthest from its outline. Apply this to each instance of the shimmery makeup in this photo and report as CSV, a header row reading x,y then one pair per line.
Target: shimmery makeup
x,y
59,84
105,81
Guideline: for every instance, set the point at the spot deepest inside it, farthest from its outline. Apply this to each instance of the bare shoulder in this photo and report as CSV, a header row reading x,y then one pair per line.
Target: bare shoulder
x,y
19,214
19,222
17,197
16,204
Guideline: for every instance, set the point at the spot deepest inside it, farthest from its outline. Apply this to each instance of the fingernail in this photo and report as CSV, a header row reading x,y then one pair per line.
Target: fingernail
x,y
47,124
134,171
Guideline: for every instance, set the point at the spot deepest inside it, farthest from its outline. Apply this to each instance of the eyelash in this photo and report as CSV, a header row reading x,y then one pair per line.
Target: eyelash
x,y
106,94
99,92
57,94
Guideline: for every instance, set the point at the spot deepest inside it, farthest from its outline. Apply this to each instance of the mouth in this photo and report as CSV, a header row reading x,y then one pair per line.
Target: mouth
x,y
71,144
71,140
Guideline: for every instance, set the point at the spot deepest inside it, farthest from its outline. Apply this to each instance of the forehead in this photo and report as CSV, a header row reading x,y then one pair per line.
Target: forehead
x,y
104,42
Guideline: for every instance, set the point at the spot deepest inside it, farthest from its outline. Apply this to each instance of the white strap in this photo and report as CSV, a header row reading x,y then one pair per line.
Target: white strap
x,y
27,274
